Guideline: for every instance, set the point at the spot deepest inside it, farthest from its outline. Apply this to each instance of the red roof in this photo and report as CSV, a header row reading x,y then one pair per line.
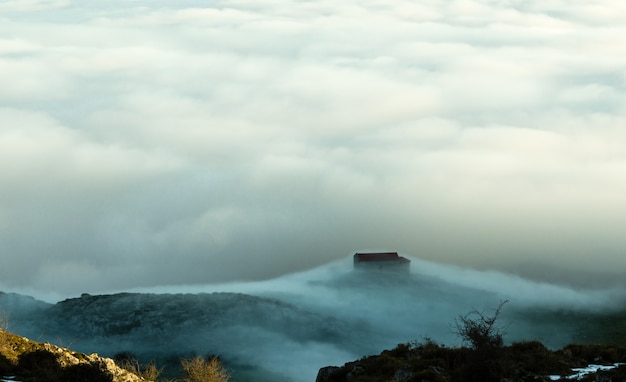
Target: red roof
x,y
380,256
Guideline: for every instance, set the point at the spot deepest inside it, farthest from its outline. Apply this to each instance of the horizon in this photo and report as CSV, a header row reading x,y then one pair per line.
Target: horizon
x,y
149,143
521,292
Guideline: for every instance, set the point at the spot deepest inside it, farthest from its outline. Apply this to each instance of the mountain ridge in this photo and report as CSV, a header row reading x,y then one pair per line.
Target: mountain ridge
x,y
287,328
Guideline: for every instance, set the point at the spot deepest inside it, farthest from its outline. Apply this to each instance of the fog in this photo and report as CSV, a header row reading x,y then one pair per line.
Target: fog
x,y
380,310
147,143
374,311
287,328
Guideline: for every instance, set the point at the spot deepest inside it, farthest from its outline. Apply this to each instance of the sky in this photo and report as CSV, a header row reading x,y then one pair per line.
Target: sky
x,y
148,143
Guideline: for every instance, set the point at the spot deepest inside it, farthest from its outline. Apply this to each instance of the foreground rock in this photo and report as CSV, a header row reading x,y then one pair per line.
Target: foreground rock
x,y
520,362
33,361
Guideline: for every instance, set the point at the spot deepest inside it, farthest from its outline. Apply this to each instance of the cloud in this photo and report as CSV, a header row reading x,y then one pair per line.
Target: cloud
x,y
33,5
180,142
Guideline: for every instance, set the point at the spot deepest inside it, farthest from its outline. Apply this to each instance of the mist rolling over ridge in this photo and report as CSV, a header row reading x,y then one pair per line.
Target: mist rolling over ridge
x,y
286,328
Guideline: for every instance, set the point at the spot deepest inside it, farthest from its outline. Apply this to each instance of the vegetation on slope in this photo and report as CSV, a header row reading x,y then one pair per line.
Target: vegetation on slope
x,y
429,361
484,359
31,361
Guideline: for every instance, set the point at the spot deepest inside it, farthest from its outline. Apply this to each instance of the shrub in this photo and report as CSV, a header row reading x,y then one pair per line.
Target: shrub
x,y
400,351
199,369
148,371
580,354
484,335
482,332
533,357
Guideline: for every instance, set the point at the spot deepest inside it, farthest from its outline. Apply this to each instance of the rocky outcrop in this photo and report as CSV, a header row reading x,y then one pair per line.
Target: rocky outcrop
x,y
30,360
324,374
106,366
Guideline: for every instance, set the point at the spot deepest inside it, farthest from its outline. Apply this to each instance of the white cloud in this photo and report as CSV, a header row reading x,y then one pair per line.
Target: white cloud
x,y
33,5
473,132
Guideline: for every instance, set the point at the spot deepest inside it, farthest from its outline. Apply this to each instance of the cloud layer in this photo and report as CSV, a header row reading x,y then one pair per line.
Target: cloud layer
x,y
144,143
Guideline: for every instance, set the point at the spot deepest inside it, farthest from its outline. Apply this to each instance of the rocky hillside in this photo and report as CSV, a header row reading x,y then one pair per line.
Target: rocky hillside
x,y
247,332
28,360
162,318
523,361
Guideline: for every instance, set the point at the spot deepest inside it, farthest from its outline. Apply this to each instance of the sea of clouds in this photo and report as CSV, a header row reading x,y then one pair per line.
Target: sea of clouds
x,y
147,143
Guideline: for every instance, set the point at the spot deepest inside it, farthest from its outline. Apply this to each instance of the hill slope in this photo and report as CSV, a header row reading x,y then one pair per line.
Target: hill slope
x,y
521,362
33,361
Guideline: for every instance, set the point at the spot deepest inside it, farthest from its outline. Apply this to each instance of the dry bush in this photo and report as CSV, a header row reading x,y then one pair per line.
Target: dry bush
x,y
485,336
482,332
199,369
149,372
